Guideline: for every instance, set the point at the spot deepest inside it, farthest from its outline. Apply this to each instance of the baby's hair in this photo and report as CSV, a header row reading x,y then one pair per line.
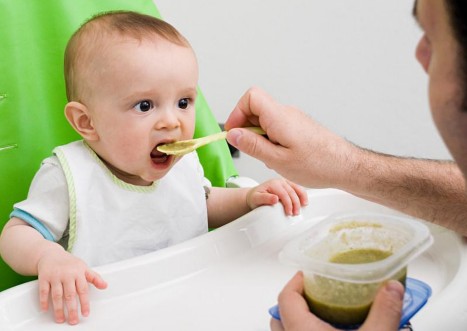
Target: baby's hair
x,y
91,38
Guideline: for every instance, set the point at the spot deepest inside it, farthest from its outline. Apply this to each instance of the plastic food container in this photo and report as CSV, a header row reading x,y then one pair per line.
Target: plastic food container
x,y
347,257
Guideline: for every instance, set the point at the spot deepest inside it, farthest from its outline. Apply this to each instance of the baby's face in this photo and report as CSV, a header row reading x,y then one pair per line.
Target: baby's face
x,y
143,95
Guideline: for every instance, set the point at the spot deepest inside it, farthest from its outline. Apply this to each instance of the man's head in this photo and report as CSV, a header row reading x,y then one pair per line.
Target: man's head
x,y
442,53
457,12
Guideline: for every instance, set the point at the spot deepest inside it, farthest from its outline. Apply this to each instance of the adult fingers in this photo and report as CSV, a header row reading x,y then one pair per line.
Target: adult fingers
x,y
248,108
276,325
385,313
253,144
295,314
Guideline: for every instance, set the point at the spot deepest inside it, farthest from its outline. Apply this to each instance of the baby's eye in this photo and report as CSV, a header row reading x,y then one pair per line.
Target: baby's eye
x,y
144,106
183,103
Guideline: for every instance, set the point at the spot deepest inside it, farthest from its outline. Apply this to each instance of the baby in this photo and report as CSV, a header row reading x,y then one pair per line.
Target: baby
x,y
131,84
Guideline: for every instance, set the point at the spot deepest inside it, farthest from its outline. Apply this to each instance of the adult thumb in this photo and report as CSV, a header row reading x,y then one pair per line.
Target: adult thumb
x,y
250,143
386,311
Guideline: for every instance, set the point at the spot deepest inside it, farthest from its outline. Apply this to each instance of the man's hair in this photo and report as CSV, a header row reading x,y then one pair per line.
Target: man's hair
x,y
457,11
89,40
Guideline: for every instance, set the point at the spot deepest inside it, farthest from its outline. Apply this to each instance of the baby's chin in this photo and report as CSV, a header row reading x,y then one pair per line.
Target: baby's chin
x,y
141,179
138,181
150,178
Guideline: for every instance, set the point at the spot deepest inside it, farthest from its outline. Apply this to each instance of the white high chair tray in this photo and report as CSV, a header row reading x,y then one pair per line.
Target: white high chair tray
x,y
229,278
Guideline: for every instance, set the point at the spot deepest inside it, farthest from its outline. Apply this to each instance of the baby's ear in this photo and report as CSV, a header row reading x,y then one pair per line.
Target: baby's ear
x,y
78,116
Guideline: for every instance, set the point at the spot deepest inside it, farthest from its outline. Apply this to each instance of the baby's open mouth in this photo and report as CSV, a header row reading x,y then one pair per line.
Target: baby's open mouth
x,y
158,157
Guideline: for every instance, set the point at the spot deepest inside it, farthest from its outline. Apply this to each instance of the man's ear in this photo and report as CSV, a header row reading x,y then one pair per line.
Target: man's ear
x,y
78,116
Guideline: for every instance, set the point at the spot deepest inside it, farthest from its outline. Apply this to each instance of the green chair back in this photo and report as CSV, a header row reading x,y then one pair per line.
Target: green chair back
x,y
33,36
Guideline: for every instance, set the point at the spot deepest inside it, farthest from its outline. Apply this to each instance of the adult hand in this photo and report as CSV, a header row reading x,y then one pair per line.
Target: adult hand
x,y
385,313
297,147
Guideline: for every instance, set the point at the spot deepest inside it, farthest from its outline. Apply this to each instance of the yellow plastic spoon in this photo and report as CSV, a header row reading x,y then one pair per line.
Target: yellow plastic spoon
x,y
183,147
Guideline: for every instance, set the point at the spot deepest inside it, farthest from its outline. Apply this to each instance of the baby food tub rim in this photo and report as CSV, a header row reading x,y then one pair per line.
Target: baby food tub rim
x,y
421,239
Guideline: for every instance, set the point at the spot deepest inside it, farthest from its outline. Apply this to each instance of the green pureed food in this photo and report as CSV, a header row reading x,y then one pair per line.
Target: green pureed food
x,y
345,303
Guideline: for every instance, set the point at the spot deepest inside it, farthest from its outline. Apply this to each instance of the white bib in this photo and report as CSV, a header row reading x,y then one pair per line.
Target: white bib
x,y
111,220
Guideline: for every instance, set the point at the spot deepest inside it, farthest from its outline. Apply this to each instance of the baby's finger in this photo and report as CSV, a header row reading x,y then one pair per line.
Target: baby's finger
x,y
295,198
82,289
284,196
301,193
57,302
44,291
70,302
95,279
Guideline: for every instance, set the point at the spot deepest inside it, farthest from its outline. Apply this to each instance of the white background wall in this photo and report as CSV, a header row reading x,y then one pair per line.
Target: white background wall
x,y
349,64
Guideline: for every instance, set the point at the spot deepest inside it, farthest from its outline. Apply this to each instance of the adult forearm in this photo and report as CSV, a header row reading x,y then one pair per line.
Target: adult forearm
x,y
428,189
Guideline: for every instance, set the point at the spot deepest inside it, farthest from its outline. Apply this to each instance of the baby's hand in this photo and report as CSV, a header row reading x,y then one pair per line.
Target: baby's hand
x,y
65,278
291,195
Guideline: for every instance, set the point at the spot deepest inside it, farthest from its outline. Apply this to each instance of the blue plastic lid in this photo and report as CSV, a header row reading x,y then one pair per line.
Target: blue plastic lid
x,y
416,296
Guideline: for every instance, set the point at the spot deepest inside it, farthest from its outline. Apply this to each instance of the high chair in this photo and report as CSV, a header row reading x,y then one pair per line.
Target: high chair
x,y
33,36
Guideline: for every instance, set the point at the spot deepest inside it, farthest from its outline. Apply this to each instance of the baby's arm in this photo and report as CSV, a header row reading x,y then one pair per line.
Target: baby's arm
x,y
226,204
61,275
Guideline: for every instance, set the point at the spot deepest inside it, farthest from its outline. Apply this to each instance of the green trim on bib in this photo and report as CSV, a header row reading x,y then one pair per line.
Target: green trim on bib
x,y
72,197
120,183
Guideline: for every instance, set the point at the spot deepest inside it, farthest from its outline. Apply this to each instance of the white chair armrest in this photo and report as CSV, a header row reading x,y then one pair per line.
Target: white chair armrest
x,y
239,181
